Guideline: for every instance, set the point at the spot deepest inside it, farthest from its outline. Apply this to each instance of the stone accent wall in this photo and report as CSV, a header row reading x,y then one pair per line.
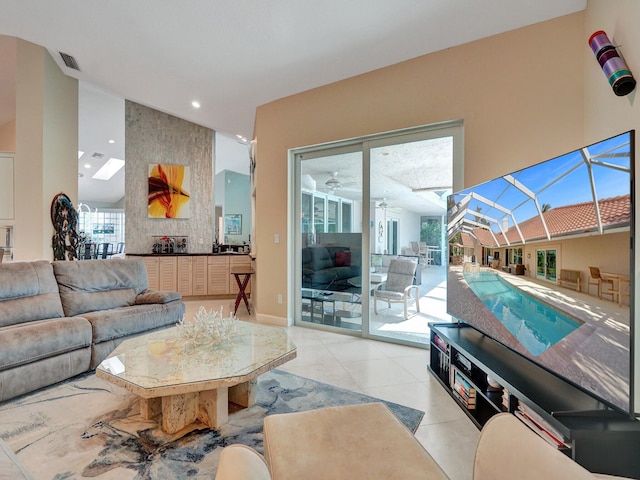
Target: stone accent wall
x,y
155,137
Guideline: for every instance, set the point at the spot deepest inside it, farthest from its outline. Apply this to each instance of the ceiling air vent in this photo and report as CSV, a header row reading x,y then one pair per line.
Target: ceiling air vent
x,y
69,61
98,156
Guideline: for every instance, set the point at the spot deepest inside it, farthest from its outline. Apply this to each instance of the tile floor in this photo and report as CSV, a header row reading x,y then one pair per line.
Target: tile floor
x,y
391,372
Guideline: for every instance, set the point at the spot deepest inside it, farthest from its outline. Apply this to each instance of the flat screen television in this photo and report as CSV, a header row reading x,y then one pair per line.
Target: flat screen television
x,y
542,261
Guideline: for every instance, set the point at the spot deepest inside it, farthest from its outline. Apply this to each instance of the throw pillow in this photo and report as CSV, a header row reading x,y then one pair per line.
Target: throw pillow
x,y
343,259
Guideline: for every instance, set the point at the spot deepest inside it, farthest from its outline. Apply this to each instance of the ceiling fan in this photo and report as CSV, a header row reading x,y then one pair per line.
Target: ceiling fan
x,y
384,205
334,184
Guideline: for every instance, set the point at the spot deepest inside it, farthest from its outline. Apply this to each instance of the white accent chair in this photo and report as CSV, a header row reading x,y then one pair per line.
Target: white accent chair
x,y
508,449
398,287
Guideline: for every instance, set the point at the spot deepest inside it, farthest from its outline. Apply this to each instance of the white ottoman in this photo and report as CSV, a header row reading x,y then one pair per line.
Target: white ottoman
x,y
364,441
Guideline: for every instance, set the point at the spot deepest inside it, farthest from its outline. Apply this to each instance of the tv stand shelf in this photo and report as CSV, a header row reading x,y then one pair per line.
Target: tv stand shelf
x,y
601,439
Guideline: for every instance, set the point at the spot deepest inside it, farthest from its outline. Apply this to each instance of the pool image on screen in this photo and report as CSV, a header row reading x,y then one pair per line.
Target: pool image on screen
x,y
541,260
536,325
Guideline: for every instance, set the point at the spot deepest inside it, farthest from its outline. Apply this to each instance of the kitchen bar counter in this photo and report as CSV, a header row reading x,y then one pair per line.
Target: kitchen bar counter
x,y
194,274
185,254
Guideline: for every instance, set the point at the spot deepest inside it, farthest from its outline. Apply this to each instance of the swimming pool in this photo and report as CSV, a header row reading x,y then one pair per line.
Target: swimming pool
x,y
535,324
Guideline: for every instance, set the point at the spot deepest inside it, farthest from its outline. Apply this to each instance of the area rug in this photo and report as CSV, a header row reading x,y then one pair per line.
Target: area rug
x,y
88,428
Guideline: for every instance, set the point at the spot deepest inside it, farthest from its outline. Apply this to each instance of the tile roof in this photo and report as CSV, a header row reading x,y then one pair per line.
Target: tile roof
x,y
566,220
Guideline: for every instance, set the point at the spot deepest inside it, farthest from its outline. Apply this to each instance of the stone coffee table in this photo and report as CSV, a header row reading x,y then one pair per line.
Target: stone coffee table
x,y
195,383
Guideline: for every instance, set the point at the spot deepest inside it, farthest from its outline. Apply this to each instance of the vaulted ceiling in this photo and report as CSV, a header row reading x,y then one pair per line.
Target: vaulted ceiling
x,y
232,56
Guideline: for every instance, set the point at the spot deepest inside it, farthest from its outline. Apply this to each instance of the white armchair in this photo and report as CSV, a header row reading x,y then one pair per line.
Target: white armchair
x,y
399,287
508,449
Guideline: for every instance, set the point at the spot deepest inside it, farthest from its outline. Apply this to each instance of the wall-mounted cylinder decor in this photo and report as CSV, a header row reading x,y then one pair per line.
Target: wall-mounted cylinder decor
x,y
614,67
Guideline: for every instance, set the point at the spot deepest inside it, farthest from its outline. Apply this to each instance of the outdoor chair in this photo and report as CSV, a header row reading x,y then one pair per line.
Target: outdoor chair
x,y
596,279
415,247
399,287
424,250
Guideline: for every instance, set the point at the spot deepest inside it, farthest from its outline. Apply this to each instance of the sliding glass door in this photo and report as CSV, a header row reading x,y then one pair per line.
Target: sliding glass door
x,y
329,252
359,215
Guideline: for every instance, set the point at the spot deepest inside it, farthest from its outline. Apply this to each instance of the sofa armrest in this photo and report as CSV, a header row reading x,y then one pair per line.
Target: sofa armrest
x,y
499,457
157,296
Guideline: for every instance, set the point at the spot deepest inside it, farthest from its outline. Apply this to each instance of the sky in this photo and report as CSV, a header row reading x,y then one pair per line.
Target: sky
x,y
564,180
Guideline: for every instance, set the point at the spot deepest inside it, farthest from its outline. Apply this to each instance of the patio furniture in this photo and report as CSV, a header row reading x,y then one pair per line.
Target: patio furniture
x,y
571,278
415,246
426,251
398,287
596,279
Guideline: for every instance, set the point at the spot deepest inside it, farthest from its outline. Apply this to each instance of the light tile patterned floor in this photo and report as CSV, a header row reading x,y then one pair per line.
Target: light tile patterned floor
x,y
392,372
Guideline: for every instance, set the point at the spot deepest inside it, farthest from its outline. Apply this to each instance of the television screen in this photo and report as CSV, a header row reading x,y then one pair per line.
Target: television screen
x,y
541,260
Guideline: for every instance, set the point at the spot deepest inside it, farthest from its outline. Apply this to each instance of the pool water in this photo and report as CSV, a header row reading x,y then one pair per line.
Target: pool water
x,y
535,324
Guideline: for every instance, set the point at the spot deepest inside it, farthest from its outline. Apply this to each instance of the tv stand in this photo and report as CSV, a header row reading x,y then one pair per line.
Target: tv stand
x,y
600,438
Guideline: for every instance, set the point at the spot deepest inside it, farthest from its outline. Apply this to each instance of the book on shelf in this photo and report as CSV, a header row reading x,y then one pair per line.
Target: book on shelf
x,y
469,403
463,389
549,434
463,362
505,398
440,343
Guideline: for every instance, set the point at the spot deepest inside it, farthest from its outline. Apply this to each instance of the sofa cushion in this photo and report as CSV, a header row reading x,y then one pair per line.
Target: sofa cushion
x,y
33,341
157,296
123,321
93,285
321,258
28,292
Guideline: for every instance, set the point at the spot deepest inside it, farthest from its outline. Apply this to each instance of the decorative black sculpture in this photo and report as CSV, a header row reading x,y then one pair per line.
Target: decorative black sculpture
x,y
65,223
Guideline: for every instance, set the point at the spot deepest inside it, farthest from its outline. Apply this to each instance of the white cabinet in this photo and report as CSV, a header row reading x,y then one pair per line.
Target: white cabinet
x,y
168,273
199,275
6,187
218,275
153,272
185,276
195,275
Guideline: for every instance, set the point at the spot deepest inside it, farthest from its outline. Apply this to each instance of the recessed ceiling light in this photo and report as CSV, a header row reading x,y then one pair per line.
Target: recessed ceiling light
x,y
195,104
109,169
80,153
87,165
111,140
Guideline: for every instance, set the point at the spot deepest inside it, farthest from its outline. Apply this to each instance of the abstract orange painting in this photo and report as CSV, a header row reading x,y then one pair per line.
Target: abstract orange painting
x,y
169,191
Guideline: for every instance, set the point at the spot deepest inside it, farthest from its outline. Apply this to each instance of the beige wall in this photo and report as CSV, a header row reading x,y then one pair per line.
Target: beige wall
x,y
577,254
46,150
606,114
519,95
8,136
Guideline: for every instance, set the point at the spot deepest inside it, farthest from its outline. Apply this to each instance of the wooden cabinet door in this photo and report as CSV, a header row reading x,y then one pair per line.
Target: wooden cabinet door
x,y
218,275
199,276
185,274
243,261
168,273
153,271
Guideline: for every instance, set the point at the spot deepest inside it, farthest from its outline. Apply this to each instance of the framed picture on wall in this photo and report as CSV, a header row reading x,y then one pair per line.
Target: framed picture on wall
x,y
169,187
233,224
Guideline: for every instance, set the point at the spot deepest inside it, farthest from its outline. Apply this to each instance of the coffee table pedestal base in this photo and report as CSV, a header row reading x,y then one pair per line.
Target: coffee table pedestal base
x,y
210,407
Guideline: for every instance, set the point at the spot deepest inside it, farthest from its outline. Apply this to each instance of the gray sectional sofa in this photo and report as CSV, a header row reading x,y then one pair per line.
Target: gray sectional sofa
x,y
329,267
60,319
